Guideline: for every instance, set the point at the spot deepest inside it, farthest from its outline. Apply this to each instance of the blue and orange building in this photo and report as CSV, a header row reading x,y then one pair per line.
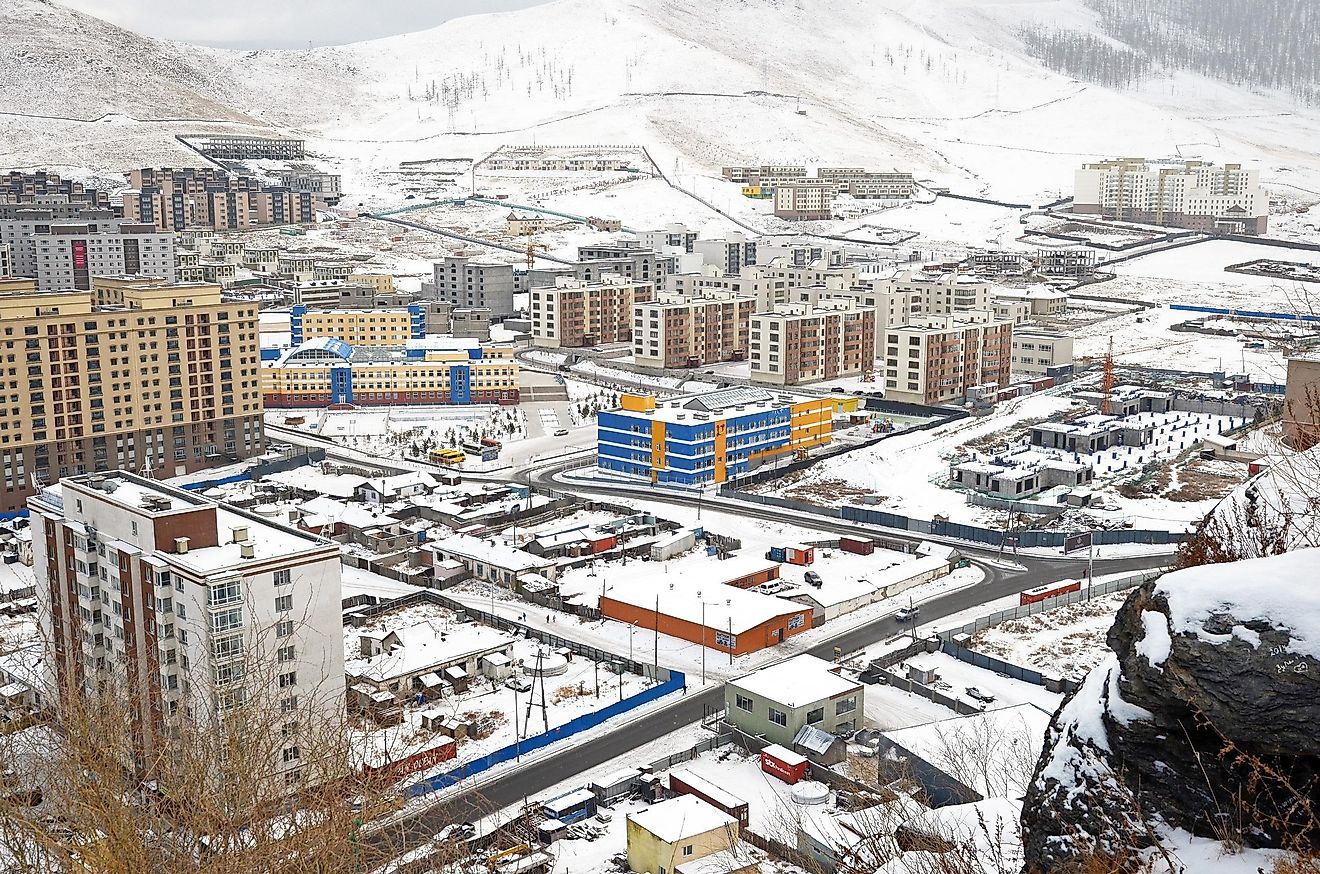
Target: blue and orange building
x,y
707,439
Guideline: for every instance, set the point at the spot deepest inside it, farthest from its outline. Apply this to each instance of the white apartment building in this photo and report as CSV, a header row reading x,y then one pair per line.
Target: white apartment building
x,y
575,313
1195,195
935,359
69,255
755,282
798,343
1037,352
674,238
730,253
193,606
677,331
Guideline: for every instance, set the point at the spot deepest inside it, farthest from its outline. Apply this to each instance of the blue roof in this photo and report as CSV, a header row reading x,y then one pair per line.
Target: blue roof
x,y
333,345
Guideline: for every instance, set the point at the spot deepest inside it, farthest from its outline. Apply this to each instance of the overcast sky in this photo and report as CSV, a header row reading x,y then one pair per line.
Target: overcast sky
x,y
284,23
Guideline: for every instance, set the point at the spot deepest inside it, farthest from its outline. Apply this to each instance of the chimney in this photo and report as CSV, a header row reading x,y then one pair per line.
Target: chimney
x,y
181,545
247,549
239,533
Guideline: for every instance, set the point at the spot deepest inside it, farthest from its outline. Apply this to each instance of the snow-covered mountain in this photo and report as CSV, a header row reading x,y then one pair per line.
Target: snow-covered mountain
x,y
942,87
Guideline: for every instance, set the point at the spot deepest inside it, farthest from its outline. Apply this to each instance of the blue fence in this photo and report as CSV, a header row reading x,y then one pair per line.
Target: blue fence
x,y
1247,314
675,683
222,481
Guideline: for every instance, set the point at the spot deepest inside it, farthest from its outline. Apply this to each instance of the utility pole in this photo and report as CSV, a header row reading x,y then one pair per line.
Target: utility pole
x,y
703,638
657,628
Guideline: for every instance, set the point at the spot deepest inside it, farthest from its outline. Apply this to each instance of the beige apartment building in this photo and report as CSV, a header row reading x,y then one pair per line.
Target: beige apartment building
x,y
805,201
936,359
160,378
576,313
1038,352
357,327
173,199
677,331
798,343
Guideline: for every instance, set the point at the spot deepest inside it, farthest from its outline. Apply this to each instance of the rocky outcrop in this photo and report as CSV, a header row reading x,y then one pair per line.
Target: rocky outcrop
x,y
1205,717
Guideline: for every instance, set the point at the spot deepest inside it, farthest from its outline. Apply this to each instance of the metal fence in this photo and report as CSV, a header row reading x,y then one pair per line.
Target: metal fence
x,y
1107,587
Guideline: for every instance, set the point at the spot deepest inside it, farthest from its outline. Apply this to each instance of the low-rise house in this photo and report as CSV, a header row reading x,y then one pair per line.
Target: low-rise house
x,y
387,490
487,559
675,832
774,703
427,658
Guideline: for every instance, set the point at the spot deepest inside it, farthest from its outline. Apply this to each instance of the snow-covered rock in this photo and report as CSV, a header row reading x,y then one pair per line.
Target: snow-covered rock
x,y
1214,680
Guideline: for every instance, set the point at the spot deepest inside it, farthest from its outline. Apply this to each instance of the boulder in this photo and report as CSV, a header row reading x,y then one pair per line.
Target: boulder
x,y
1204,717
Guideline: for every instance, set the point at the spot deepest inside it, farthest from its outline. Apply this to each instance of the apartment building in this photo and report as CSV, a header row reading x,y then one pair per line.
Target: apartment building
x,y
176,199
328,294
865,184
231,147
751,281
6,262
765,174
173,600
797,252
1040,353
730,253
325,187
383,327
804,201
627,258
936,359
326,372
676,331
572,159
69,255
466,283
20,223
673,238
709,438
798,343
1195,195
164,379
42,186
576,313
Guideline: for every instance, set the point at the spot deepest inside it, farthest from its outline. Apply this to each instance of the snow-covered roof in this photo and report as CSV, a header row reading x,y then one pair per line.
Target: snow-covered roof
x,y
309,478
683,817
490,552
424,645
352,514
726,608
796,682
706,787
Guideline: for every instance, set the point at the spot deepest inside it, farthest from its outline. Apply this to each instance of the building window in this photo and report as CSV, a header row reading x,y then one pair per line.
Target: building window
x,y
289,679
284,628
285,653
845,705
283,578
687,849
815,716
290,754
778,717
743,703
283,603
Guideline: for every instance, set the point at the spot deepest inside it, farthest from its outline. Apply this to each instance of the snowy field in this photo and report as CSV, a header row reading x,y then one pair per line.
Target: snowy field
x,y
1067,641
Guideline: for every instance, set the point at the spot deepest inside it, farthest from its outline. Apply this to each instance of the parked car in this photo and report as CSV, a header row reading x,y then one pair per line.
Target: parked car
x,y
977,695
812,579
562,432
456,831
519,684
907,614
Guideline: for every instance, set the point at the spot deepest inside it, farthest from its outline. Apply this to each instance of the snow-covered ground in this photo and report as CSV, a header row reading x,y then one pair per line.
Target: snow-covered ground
x,y
1066,641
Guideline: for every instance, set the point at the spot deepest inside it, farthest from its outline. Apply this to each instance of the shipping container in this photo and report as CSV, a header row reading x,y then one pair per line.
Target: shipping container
x,y
776,553
614,786
602,543
684,782
784,763
678,542
799,554
1051,590
857,545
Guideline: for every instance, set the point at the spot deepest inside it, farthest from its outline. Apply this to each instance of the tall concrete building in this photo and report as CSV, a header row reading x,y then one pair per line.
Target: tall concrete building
x,y
796,343
677,331
805,201
159,378
188,608
69,255
627,258
936,359
576,313
730,253
460,281
41,186
174,198
1183,194
20,223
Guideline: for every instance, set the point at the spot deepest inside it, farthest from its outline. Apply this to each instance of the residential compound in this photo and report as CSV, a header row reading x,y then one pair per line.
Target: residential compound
x,y
63,243
382,327
153,377
326,371
936,359
204,606
1184,194
800,197
577,313
462,282
708,438
679,331
797,343
41,186
173,199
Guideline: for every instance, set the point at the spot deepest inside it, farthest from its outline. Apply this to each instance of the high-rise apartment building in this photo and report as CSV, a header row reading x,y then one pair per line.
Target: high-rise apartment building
x,y
460,281
68,256
20,223
187,608
805,201
161,378
1184,194
627,258
798,343
936,359
576,313
173,199
677,331
730,253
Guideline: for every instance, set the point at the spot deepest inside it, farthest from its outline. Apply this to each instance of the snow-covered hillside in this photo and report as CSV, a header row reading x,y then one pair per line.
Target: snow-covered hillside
x,y
941,87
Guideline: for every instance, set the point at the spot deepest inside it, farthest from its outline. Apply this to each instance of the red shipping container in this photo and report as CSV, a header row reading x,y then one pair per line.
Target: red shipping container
x,y
784,763
799,554
857,545
601,544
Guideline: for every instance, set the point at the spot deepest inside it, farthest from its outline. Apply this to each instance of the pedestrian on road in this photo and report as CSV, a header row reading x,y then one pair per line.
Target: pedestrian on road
x,y
547,618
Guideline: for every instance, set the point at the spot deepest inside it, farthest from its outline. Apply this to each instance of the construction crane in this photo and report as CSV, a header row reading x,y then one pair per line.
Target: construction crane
x,y
1107,382
532,246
